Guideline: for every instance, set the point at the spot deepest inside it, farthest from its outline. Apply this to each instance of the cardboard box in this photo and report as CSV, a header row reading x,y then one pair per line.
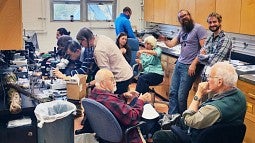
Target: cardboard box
x,y
76,88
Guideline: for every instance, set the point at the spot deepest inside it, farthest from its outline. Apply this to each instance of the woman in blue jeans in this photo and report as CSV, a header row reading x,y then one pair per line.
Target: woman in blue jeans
x,y
150,64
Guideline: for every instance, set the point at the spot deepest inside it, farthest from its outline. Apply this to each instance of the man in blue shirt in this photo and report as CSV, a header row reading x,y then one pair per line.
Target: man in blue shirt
x,y
122,23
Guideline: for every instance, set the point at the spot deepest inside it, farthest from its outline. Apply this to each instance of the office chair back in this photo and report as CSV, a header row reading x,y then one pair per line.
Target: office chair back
x,y
134,47
102,121
227,133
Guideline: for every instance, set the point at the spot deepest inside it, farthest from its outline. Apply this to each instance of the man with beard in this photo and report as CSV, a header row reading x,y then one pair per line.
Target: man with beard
x,y
217,47
191,37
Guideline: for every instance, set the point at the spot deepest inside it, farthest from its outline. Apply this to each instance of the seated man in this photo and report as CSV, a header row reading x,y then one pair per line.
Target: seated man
x,y
126,114
227,105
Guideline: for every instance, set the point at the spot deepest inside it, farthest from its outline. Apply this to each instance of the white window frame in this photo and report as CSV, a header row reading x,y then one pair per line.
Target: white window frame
x,y
83,8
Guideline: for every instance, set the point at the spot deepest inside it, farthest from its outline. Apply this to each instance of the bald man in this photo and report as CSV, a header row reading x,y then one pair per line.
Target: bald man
x,y
127,115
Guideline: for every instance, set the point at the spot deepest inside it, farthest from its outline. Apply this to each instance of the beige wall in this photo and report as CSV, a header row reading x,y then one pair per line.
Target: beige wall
x,y
36,18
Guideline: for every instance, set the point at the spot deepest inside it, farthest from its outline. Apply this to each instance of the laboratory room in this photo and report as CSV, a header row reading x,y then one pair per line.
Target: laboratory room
x,y
127,71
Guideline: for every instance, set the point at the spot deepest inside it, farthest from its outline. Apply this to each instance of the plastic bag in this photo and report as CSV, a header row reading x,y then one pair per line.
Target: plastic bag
x,y
85,138
54,110
168,120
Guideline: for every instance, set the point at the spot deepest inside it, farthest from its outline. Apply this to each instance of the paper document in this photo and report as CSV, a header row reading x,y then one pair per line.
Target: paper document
x,y
149,112
19,122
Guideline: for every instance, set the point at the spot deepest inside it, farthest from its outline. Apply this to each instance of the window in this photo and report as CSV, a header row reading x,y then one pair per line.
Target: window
x,y
83,10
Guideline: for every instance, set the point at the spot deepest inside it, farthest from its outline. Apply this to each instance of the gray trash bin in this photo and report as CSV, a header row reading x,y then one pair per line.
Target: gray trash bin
x,y
55,122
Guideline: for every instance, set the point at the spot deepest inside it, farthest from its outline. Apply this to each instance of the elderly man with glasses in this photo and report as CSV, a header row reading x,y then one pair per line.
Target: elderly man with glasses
x,y
128,114
226,106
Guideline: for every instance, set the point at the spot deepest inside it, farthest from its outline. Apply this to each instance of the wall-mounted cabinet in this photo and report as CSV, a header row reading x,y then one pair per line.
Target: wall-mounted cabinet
x,y
171,10
247,17
11,25
149,10
189,5
238,15
159,13
203,8
230,12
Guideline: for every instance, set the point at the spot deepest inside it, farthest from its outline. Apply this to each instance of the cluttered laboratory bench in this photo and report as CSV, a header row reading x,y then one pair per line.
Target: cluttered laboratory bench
x,y
22,126
24,86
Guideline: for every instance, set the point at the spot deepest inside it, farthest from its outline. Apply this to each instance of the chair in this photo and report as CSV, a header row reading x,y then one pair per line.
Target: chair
x,y
103,122
227,133
219,133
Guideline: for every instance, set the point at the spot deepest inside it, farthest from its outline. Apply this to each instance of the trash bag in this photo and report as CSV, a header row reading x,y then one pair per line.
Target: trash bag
x,y
85,138
52,111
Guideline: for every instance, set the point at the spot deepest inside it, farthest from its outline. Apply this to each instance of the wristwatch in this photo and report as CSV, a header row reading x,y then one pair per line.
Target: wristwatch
x,y
196,98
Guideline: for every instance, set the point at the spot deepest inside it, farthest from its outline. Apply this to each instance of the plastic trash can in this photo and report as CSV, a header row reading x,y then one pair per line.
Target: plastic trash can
x,y
55,122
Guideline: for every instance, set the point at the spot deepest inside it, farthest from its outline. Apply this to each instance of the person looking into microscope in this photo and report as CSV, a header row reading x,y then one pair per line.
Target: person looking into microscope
x,y
62,41
62,31
83,62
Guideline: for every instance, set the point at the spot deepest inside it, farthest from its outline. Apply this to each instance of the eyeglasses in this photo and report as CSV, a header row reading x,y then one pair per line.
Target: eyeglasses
x,y
209,76
184,15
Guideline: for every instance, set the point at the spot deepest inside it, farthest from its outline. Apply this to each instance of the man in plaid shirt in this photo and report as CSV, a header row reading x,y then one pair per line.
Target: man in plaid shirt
x,y
217,47
126,114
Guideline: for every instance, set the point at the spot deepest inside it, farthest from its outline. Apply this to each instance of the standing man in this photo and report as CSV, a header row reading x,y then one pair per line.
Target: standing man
x,y
107,55
191,37
122,23
217,47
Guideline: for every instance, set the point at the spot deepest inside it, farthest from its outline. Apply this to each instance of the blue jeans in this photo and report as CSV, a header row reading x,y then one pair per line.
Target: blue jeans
x,y
181,84
122,86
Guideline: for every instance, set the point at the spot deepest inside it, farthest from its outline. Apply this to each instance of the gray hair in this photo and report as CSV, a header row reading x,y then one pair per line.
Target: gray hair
x,y
227,72
151,40
101,75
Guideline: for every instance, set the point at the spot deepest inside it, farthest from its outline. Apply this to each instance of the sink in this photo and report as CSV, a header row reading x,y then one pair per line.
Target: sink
x,y
245,69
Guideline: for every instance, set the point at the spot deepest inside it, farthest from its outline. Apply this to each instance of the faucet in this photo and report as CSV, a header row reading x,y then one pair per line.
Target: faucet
x,y
245,45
